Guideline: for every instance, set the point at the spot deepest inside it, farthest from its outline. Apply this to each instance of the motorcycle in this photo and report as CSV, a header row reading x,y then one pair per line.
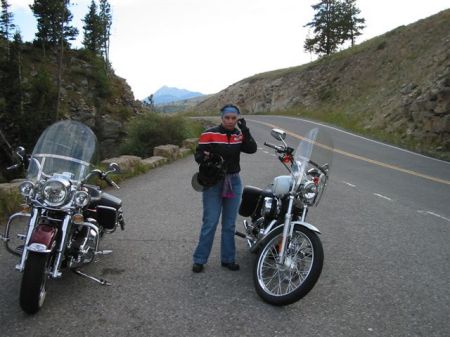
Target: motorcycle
x,y
66,215
289,252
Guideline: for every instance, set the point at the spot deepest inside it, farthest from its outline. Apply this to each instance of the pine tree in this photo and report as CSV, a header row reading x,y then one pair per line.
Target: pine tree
x,y
12,90
16,61
6,21
53,18
352,25
150,103
92,29
327,32
105,22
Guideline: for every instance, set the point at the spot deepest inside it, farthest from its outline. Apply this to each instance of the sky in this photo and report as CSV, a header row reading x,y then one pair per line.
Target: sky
x,y
207,45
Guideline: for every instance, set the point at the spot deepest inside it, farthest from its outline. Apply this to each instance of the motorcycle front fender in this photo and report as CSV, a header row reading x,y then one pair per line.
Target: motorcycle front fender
x,y
307,225
300,223
42,239
273,227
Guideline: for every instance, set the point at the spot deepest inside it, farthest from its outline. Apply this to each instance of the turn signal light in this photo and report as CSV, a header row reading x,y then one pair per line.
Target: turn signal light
x,y
316,181
25,208
78,218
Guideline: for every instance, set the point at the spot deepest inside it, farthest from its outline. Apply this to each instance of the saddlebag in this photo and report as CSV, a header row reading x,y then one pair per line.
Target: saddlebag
x,y
108,211
251,199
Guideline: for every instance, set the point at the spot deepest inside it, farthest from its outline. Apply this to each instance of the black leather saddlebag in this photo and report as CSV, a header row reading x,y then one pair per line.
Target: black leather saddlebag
x,y
251,199
107,211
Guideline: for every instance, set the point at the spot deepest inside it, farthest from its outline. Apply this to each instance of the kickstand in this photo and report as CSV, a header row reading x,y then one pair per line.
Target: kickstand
x,y
98,280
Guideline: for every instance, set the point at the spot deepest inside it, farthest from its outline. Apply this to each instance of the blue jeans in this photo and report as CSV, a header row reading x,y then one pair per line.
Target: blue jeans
x,y
213,205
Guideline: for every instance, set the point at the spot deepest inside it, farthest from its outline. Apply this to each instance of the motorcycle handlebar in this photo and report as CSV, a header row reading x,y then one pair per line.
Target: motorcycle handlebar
x,y
103,176
110,182
13,167
277,148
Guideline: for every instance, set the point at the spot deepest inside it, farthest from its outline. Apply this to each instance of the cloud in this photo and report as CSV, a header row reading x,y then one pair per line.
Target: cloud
x,y
20,4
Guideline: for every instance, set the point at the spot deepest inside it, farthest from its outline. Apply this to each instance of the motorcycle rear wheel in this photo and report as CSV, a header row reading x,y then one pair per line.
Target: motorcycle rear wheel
x,y
285,284
34,279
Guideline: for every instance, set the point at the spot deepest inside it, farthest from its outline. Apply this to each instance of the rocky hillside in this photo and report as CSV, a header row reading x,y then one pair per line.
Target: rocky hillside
x,y
395,86
89,93
105,112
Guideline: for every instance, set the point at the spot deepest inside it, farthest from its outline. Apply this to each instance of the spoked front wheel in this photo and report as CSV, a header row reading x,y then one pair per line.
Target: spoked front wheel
x,y
282,284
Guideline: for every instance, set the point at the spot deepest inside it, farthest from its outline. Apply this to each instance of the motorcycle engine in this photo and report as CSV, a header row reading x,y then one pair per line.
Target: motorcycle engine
x,y
83,247
271,208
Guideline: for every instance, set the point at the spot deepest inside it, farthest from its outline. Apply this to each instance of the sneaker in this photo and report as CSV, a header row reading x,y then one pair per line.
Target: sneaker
x,y
232,266
197,267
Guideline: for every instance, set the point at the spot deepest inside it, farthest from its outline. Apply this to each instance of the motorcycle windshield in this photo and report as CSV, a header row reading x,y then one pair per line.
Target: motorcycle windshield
x,y
68,148
315,151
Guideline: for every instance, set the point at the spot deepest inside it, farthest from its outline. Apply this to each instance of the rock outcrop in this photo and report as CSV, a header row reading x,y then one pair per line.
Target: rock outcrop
x,y
90,93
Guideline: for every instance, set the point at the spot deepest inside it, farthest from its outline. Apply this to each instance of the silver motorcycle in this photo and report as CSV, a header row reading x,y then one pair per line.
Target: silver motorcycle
x,y
65,215
289,252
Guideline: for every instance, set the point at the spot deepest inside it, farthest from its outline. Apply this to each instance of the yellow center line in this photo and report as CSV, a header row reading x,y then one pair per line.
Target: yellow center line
x,y
368,160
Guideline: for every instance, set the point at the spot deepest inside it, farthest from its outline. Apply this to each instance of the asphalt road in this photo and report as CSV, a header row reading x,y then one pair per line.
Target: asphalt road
x,y
385,224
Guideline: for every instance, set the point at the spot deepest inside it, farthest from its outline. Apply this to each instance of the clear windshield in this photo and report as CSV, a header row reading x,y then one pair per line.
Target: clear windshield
x,y
315,150
67,148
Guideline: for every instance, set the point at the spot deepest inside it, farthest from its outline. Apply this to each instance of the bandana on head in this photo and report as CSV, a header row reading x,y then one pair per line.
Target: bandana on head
x,y
229,109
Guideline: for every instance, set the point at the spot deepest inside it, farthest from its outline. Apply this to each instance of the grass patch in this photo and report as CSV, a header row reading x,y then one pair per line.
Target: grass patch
x,y
150,129
354,124
9,204
135,171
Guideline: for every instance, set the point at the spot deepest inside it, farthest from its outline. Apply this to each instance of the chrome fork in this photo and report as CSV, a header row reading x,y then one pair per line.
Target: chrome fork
x,y
31,225
286,229
65,228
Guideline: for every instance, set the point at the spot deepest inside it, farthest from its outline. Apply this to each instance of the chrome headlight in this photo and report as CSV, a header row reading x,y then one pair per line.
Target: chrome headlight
x,y
26,189
81,199
309,192
55,192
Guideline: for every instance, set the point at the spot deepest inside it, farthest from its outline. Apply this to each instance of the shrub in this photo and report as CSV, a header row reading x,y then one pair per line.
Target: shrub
x,y
9,203
151,129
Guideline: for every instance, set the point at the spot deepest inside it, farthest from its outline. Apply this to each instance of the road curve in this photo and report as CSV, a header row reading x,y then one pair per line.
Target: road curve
x,y
385,222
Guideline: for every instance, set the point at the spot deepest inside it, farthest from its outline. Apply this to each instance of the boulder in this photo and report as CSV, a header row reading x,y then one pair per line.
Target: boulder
x,y
190,143
126,163
184,152
154,161
169,151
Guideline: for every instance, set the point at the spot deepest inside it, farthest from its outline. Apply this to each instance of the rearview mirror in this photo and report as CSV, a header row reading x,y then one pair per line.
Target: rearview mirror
x,y
278,134
114,167
20,151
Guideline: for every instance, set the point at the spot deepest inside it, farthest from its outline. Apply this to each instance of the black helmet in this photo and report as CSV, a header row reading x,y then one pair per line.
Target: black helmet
x,y
209,173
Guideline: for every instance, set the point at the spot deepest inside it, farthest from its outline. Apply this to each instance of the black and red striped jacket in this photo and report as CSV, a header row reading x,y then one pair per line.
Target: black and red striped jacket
x,y
227,143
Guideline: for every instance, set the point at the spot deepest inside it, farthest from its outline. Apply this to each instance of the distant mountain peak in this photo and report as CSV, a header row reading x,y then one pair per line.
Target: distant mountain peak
x,y
166,94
